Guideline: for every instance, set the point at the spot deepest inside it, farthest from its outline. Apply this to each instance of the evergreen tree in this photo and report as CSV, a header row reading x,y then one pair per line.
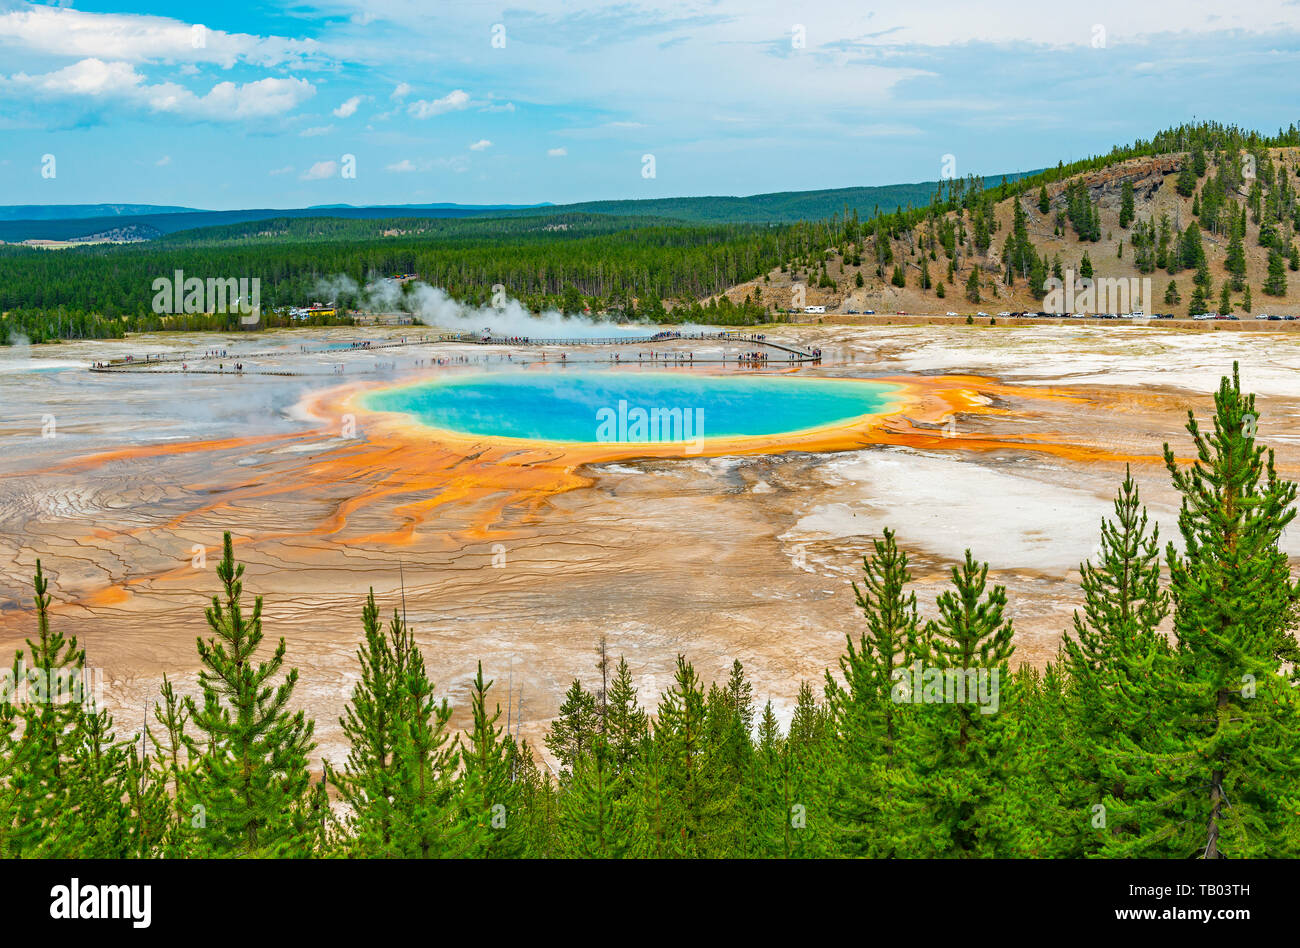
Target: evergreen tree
x,y
1111,658
864,712
596,819
1227,767
1275,282
397,780
252,781
1235,262
174,759
54,675
626,724
573,732
491,818
1126,211
956,749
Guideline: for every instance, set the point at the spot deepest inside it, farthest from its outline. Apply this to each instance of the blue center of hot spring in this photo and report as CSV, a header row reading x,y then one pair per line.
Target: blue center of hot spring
x,y
594,407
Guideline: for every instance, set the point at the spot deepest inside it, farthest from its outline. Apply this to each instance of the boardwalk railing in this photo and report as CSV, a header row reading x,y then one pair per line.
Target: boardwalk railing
x,y
759,339
801,355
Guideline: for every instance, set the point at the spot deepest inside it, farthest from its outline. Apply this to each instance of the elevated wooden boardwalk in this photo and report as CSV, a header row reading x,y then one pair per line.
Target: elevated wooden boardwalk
x,y
794,354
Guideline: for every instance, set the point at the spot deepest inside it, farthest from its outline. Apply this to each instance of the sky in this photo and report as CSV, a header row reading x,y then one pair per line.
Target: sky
x,y
296,103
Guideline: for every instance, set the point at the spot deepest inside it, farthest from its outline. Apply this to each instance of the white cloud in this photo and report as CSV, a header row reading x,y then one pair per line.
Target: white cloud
x,y
456,163
287,169
349,108
453,101
504,107
321,169
557,152
139,39
401,91
119,82
481,145
164,161
316,131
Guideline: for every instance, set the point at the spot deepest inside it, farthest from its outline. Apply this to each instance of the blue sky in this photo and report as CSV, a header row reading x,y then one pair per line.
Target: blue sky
x,y
227,105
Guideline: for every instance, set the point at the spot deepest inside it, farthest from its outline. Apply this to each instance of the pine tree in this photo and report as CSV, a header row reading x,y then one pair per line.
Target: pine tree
x,y
596,819
681,733
51,718
1227,771
1111,658
174,759
11,804
660,835
97,823
397,780
626,724
1126,211
252,783
488,797
1275,282
573,732
863,709
956,746
1235,262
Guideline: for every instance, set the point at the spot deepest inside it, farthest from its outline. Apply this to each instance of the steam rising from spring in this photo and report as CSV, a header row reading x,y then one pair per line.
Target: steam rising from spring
x,y
433,306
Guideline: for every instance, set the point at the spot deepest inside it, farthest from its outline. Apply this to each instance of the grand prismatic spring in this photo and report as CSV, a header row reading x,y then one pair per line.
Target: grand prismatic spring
x,y
504,496
631,406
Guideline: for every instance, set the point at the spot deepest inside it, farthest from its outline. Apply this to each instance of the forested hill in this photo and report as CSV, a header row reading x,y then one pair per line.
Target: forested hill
x,y
776,207
56,212
88,221
167,221
1209,214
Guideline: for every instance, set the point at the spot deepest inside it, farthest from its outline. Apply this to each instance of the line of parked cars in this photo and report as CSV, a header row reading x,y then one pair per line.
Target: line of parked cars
x,y
1139,315
1134,315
